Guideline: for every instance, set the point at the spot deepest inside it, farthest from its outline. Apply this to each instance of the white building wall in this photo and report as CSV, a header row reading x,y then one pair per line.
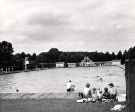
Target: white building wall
x,y
116,62
71,64
60,64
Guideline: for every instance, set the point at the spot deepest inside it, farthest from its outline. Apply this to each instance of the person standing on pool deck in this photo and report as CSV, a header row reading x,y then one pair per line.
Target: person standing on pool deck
x,y
70,86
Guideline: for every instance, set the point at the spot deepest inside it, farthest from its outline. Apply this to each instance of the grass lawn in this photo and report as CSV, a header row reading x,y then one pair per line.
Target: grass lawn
x,y
53,105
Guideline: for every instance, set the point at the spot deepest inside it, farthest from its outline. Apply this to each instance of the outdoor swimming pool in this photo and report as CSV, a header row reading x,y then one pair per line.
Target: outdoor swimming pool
x,y
54,80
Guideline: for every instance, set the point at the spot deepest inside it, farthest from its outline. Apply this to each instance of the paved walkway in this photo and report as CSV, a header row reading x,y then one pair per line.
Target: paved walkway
x,y
71,95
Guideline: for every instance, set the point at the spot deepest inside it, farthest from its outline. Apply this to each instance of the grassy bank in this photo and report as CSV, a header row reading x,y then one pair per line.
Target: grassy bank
x,y
53,105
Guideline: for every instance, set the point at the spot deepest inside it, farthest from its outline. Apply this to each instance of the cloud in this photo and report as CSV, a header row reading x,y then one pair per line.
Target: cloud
x,y
69,25
39,25
48,18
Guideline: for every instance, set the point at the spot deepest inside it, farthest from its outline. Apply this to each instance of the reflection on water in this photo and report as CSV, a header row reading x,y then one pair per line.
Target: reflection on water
x,y
54,80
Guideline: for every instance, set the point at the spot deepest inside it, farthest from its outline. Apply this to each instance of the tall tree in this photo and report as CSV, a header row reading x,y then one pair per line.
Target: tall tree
x,y
95,56
17,60
33,57
113,56
53,55
107,56
64,57
119,55
131,53
124,57
6,52
42,58
78,57
22,56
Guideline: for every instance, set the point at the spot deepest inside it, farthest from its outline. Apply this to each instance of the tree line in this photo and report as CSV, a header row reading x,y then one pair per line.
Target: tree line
x,y
7,58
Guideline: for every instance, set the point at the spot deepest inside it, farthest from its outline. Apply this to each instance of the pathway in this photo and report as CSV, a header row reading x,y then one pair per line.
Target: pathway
x,y
71,95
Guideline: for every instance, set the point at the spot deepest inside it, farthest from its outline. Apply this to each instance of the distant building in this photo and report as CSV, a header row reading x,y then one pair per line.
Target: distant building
x,y
116,62
86,62
103,63
108,63
71,65
60,64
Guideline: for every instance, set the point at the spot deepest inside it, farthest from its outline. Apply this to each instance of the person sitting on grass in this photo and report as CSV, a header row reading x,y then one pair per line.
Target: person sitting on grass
x,y
100,96
86,92
106,95
94,95
113,92
70,86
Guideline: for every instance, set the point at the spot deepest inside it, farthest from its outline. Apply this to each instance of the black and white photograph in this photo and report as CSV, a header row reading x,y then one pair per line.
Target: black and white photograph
x,y
67,55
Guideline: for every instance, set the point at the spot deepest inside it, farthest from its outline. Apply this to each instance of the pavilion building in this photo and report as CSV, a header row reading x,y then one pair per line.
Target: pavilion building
x,y
86,62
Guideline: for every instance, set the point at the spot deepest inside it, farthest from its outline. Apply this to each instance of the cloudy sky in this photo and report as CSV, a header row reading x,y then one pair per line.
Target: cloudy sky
x,y
69,25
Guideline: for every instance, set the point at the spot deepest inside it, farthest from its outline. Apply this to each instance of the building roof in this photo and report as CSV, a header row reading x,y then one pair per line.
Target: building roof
x,y
59,62
87,59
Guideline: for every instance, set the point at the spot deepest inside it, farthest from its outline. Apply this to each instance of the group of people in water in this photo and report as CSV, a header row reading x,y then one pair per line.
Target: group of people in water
x,y
95,95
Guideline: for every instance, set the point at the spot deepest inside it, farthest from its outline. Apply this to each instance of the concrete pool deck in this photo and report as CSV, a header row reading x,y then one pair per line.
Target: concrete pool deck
x,y
66,95
71,95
